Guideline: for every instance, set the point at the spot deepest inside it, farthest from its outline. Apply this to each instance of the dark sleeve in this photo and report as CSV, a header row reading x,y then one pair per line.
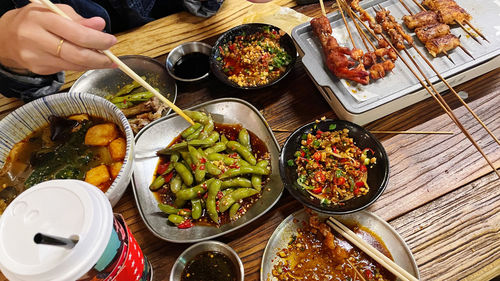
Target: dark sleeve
x,y
30,87
206,8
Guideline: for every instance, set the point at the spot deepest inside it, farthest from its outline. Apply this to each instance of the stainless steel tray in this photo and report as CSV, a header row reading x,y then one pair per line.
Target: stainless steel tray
x,y
161,132
357,99
394,243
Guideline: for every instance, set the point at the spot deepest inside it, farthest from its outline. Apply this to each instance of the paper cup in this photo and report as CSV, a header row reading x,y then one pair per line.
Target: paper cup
x,y
106,248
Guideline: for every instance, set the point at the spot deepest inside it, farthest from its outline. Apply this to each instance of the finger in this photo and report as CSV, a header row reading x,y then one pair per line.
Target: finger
x,y
78,34
96,23
89,58
70,12
57,65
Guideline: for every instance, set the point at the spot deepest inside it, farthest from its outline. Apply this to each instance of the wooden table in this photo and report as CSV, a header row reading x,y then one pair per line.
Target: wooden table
x,y
442,197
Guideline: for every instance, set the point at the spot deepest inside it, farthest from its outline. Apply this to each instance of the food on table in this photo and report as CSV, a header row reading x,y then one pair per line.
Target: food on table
x,y
254,59
209,265
335,55
140,106
448,11
396,33
331,167
76,147
211,173
420,19
316,252
442,44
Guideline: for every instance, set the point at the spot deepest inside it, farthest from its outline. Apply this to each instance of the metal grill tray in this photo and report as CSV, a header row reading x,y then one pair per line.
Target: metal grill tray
x,y
485,17
161,132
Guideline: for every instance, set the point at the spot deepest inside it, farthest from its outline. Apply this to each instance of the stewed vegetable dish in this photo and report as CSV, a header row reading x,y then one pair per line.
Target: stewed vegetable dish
x,y
211,174
254,59
315,252
331,167
75,147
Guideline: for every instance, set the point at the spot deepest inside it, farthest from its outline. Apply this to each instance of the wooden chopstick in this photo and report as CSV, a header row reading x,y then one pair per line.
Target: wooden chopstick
x,y
370,251
122,66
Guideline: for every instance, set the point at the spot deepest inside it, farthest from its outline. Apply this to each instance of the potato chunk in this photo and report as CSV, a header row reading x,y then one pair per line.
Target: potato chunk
x,y
101,135
114,169
118,148
97,175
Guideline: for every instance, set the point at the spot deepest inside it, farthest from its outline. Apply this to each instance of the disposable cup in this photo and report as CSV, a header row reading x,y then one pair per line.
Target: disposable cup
x,y
106,248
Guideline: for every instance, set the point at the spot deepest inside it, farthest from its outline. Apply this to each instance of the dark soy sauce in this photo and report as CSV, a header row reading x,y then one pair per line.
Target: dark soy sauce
x,y
209,266
192,65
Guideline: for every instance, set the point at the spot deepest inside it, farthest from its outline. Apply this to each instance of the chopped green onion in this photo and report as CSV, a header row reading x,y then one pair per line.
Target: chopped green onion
x,y
332,127
304,136
290,162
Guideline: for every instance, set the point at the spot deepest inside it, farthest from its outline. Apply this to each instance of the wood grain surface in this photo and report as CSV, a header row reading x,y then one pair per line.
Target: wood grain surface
x,y
442,197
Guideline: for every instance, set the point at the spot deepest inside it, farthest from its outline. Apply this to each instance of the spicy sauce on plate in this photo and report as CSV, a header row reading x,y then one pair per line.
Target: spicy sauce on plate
x,y
210,266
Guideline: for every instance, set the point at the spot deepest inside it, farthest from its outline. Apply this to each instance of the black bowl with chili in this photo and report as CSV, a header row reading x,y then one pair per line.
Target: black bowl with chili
x,y
233,61
295,153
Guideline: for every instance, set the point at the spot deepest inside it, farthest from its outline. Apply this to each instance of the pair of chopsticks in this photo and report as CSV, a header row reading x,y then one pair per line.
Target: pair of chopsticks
x,y
370,251
122,66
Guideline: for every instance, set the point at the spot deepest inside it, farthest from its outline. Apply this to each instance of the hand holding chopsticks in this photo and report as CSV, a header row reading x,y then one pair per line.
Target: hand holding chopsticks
x,y
121,65
370,251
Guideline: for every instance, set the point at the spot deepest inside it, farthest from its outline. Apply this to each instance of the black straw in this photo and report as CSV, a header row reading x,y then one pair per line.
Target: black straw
x,y
54,240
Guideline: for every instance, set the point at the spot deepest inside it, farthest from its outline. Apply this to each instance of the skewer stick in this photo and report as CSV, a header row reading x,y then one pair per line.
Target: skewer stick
x,y
323,11
360,31
414,132
346,25
460,24
356,270
473,28
370,250
121,65
441,101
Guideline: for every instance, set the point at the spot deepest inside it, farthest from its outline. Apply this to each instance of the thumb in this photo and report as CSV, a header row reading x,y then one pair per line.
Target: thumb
x,y
96,23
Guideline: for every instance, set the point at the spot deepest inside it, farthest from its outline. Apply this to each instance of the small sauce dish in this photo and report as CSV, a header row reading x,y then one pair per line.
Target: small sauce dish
x,y
189,62
208,257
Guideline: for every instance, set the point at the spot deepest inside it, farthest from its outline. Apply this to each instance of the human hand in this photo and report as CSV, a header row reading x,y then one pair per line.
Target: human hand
x,y
31,39
259,1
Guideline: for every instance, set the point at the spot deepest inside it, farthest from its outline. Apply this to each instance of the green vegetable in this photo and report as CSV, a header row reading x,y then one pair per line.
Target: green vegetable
x,y
194,192
199,171
244,139
235,196
185,174
176,219
244,170
196,208
233,211
257,179
190,130
176,183
157,183
236,182
290,162
332,127
243,151
213,189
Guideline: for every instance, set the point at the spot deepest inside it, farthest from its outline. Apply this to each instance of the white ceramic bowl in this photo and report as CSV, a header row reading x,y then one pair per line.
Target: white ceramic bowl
x,y
23,121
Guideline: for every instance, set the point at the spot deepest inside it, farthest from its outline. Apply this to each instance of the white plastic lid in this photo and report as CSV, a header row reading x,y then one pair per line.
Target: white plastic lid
x,y
60,208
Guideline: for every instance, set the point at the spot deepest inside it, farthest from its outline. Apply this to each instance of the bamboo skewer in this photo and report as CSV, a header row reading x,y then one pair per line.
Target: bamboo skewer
x,y
121,65
439,99
413,132
323,11
370,250
461,47
356,270
459,23
346,25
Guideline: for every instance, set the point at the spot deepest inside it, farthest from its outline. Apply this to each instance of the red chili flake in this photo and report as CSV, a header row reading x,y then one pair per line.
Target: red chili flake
x,y
193,167
335,149
168,177
340,181
356,191
198,194
185,224
362,168
219,195
202,167
234,166
162,168
360,184
217,208
233,155
309,140
317,155
302,153
317,190
369,274
205,196
319,177
204,186
203,160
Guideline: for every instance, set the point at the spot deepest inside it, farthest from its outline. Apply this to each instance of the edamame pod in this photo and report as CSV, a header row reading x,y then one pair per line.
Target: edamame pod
x,y
168,209
218,147
185,174
173,148
235,196
233,211
256,179
197,116
176,219
176,183
244,139
243,151
213,189
199,168
196,208
157,183
189,131
194,192
244,170
236,182
210,140
196,134
223,139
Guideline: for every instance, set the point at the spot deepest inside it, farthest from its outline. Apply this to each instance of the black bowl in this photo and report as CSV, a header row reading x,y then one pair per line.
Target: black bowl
x,y
216,66
378,174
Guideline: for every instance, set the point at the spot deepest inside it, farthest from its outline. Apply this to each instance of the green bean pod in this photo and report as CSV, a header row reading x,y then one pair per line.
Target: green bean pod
x,y
176,219
243,151
199,168
197,116
218,147
196,208
196,134
213,189
176,183
234,197
190,130
186,157
233,211
209,141
168,209
244,170
256,179
236,182
194,192
171,149
185,174
157,183
209,125
244,139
